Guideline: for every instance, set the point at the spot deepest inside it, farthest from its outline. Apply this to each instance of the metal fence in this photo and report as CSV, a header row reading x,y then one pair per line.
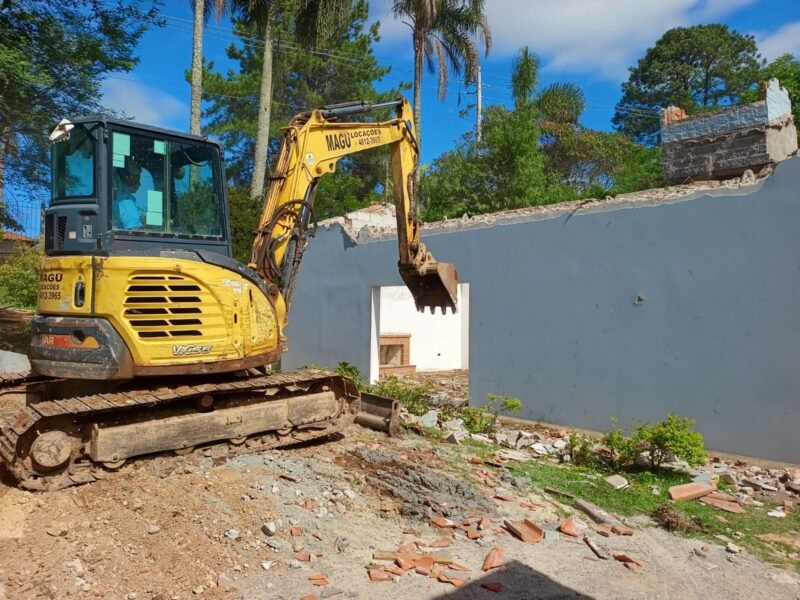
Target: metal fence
x,y
28,213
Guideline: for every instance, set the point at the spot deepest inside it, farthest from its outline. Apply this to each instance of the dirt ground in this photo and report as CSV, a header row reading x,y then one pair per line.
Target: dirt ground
x,y
191,527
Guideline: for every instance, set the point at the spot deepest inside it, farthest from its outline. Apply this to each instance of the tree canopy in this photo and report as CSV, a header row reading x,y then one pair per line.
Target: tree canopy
x,y
537,153
697,68
344,70
786,69
53,56
444,36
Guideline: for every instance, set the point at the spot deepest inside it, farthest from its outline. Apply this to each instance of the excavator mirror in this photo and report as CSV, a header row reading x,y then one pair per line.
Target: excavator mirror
x,y
434,285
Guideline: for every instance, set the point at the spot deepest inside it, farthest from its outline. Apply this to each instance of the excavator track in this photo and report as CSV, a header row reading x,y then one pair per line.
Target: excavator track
x,y
49,445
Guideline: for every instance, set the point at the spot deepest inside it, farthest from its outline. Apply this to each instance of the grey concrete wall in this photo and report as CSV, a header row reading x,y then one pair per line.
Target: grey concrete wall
x,y
554,318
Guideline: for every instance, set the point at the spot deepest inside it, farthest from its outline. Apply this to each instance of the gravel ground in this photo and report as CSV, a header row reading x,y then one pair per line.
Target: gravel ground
x,y
194,527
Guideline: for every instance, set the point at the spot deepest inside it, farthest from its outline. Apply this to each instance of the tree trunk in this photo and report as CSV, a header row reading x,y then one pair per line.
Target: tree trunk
x,y
5,132
197,67
418,56
264,109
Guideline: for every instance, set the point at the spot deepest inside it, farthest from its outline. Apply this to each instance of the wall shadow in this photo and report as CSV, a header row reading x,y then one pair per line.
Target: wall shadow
x,y
519,582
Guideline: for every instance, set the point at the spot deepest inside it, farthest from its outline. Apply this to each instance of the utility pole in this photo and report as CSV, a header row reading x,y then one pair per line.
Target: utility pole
x,y
478,121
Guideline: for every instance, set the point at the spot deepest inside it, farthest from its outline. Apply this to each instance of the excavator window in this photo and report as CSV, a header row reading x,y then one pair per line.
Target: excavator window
x,y
73,166
164,186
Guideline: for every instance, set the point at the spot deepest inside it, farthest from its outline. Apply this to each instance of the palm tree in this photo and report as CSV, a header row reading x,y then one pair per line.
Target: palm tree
x,y
202,11
444,34
558,103
314,20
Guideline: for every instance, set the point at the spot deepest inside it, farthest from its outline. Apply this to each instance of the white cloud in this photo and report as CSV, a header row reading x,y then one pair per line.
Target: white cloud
x,y
598,38
145,104
784,40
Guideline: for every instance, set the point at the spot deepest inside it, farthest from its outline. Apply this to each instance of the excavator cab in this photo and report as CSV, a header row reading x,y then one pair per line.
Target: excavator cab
x,y
120,186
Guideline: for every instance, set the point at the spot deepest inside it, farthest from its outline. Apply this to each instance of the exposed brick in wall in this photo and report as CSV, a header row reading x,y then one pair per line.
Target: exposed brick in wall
x,y
728,142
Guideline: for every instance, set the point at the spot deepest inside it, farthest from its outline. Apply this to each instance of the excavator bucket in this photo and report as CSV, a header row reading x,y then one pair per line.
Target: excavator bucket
x,y
377,412
434,285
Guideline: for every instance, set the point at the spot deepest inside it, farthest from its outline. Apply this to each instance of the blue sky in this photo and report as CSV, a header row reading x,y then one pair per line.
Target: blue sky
x,y
589,42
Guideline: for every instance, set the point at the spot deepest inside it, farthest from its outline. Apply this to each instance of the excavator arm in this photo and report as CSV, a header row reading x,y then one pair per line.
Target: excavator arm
x,y
313,144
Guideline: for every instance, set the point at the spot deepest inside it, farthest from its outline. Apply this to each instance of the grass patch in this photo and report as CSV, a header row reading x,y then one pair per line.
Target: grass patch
x,y
692,518
774,540
637,498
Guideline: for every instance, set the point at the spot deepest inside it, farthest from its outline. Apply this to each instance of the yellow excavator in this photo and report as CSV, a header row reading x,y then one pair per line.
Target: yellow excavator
x,y
149,336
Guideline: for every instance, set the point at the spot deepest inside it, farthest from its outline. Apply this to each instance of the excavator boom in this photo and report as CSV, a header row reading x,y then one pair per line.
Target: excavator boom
x,y
313,143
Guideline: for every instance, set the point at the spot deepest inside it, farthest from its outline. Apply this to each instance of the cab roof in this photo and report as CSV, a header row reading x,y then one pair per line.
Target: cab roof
x,y
91,119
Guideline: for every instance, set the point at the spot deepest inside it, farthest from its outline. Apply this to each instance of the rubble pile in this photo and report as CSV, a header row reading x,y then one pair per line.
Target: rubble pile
x,y
748,484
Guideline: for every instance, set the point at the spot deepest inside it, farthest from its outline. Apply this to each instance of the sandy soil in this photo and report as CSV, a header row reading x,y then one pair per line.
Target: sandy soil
x,y
191,526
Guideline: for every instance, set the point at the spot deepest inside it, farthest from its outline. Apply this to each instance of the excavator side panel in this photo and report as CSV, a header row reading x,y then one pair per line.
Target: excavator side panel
x,y
169,316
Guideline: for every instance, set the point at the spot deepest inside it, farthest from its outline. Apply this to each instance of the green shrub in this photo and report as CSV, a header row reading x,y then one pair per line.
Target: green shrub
x,y
413,396
623,449
19,278
674,435
345,369
483,419
477,419
581,449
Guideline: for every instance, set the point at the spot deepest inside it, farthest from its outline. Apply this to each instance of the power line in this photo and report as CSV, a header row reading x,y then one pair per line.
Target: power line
x,y
351,61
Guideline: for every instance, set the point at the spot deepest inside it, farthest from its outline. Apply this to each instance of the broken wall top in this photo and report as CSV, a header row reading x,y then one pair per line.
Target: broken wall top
x,y
651,197
775,104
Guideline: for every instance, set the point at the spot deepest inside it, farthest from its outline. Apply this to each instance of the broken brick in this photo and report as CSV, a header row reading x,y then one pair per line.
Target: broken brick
x,y
408,548
504,497
494,559
731,507
437,571
474,534
527,531
572,526
296,532
309,504
691,491
622,530
303,556
458,567
723,496
492,586
484,523
405,562
424,565
455,581
377,575
624,558
440,521
394,570
441,543
603,529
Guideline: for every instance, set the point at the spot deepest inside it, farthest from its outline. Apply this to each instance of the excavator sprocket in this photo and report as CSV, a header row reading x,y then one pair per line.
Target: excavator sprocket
x,y
53,444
